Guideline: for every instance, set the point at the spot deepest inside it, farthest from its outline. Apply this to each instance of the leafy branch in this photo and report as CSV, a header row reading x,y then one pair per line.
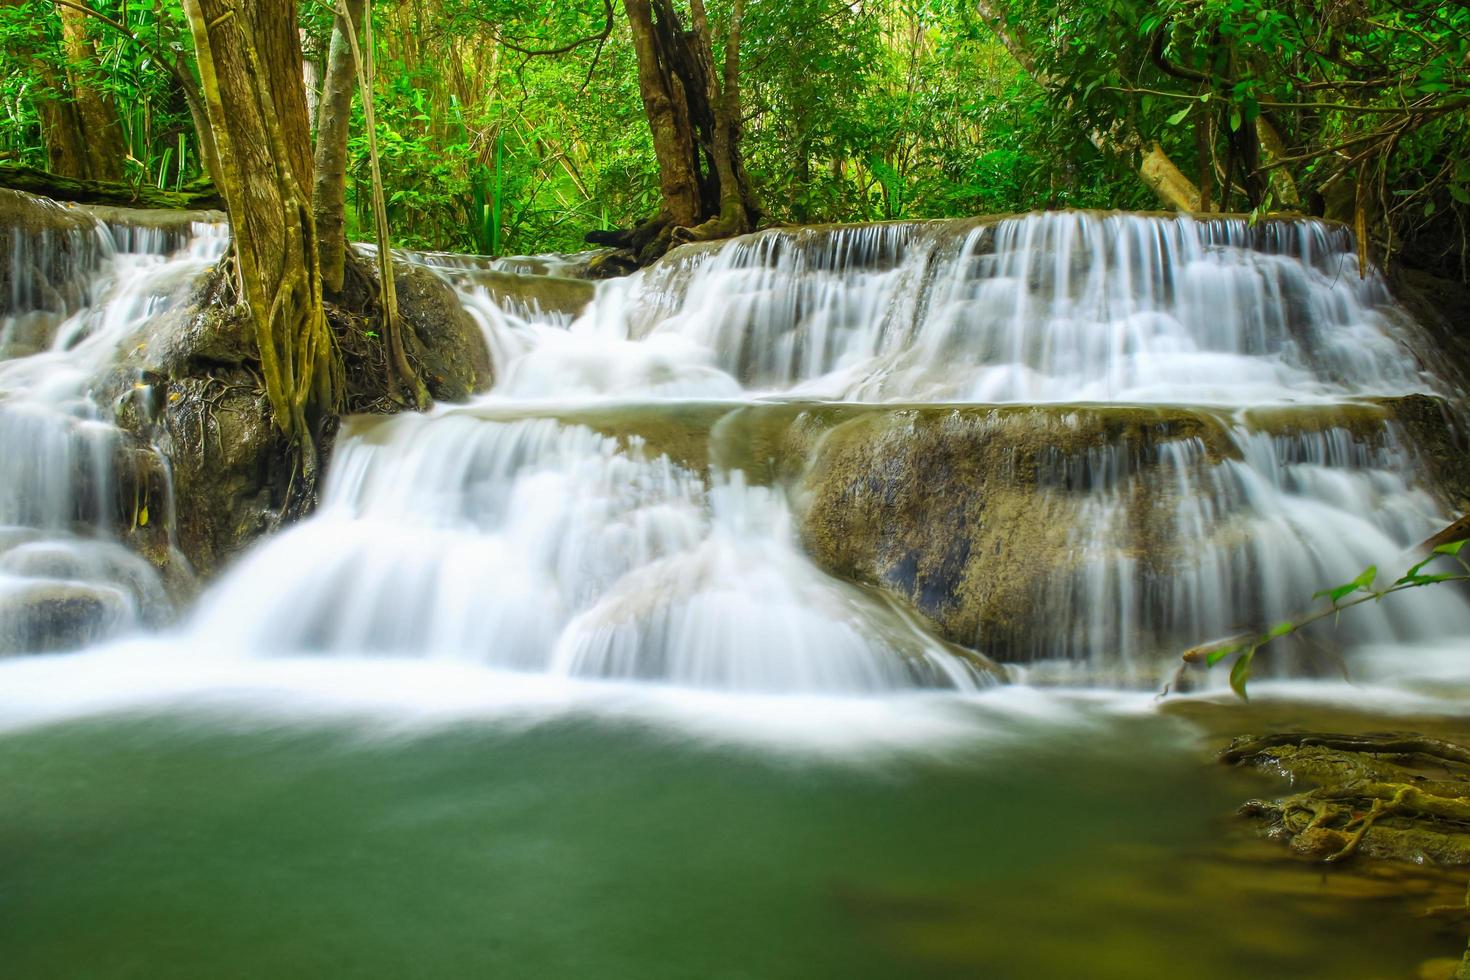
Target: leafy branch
x,y
1244,646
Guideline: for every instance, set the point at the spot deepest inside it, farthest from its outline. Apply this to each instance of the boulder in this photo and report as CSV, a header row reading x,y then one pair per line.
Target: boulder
x,y
40,616
448,345
971,514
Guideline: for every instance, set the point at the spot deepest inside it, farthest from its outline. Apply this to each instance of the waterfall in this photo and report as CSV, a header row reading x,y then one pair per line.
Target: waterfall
x,y
846,460
80,291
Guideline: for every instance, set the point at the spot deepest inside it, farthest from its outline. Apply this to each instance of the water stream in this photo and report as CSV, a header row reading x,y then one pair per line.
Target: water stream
x,y
567,674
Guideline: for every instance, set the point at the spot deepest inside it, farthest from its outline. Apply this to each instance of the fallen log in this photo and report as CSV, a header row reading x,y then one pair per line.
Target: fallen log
x,y
195,197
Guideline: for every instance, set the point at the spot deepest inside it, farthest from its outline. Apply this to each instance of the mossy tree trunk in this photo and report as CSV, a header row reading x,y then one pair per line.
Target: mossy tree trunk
x,y
102,139
250,66
334,117
61,127
164,49
693,112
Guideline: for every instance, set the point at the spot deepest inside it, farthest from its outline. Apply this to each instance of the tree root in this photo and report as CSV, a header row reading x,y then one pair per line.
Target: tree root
x,y
1395,796
1242,749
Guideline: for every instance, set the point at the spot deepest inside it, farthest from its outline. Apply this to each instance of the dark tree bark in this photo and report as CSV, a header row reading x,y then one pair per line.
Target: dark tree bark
x,y
693,112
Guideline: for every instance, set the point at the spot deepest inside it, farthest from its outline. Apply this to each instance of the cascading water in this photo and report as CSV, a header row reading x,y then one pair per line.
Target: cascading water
x,y
642,495
539,546
78,292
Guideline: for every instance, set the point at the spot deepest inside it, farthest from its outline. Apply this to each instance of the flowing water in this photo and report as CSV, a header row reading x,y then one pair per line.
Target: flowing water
x,y
562,681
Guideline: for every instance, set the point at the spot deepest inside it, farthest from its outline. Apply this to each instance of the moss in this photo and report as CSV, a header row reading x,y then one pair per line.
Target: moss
x,y
1365,420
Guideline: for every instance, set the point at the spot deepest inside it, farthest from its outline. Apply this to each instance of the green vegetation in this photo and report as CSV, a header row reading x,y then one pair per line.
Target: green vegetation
x,y
506,126
1366,587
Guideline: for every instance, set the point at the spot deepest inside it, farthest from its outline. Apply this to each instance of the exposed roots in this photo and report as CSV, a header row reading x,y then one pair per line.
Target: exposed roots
x,y
1395,796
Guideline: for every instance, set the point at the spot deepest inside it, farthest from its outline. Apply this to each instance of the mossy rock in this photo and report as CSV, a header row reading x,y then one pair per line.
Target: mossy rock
x,y
450,349
1435,430
976,515
970,513
1398,797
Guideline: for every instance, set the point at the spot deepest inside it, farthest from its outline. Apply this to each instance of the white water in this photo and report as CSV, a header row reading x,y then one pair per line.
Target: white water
x,y
61,506
497,536
1059,307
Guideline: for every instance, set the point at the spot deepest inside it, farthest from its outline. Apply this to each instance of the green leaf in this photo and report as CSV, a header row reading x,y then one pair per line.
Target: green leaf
x,y
1460,194
1178,117
1215,656
1363,583
1241,673
1234,118
1452,548
1429,579
1281,629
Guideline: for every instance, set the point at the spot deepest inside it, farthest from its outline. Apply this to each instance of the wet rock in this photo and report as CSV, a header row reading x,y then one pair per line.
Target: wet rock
x,y
231,467
1436,431
158,231
972,514
202,471
28,333
102,564
41,617
1441,307
449,346
191,388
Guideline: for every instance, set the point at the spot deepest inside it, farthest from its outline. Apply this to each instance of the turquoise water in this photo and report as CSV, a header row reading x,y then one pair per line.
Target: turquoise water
x,y
1044,842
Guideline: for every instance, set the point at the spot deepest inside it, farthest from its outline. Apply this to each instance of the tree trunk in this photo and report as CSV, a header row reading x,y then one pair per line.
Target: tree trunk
x,y
61,126
101,131
124,195
387,289
311,73
735,213
250,67
329,195
1273,148
667,108
693,113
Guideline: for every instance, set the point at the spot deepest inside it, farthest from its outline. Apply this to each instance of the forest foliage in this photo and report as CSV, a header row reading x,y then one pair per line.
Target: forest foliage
x,y
507,126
